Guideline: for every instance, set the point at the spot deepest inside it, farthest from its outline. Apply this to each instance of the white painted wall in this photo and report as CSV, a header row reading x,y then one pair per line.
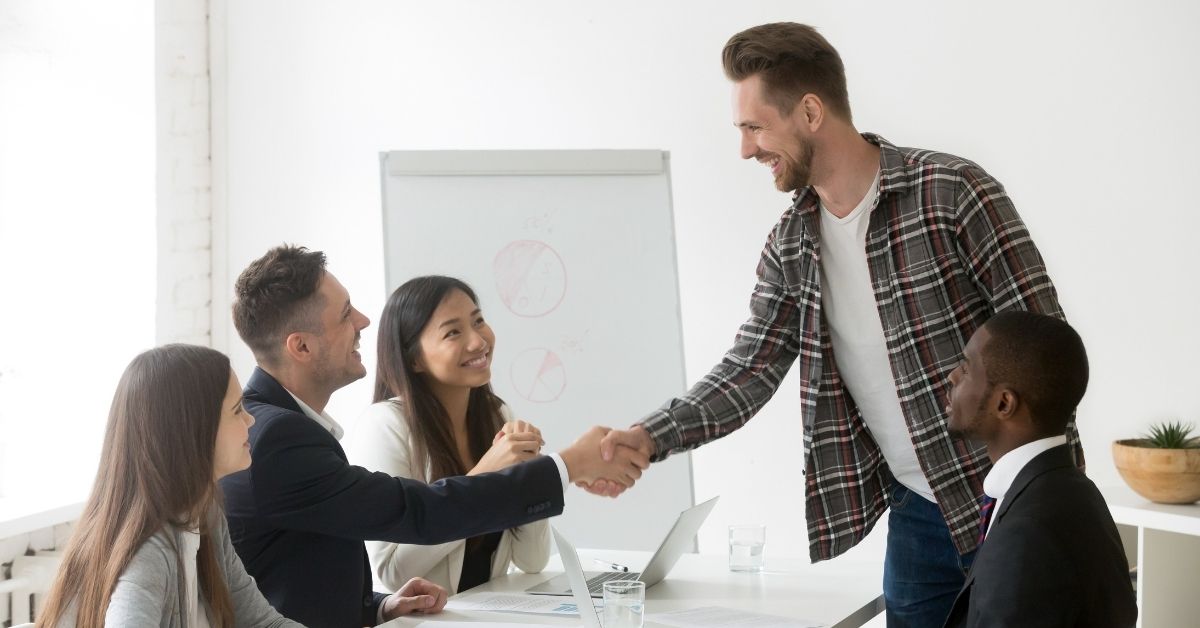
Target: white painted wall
x,y
1088,114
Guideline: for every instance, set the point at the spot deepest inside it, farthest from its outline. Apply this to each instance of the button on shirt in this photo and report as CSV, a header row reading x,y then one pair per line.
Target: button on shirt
x,y
945,249
1001,477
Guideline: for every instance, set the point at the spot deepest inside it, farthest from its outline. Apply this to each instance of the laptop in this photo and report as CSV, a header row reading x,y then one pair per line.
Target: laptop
x,y
678,541
574,574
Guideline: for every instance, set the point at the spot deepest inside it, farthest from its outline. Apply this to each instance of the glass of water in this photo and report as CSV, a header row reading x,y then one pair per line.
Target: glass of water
x,y
624,603
746,547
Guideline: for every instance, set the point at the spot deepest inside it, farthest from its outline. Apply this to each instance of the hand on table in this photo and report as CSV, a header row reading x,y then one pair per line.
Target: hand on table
x,y
416,596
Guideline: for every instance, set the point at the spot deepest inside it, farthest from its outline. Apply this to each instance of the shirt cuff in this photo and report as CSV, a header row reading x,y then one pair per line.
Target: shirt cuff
x,y
562,470
379,615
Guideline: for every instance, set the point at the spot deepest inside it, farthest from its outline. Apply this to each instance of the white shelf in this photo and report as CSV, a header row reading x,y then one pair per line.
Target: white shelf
x,y
1129,508
1163,542
22,515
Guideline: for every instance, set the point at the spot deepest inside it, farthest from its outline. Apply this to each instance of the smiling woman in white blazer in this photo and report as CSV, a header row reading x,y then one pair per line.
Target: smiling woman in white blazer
x,y
435,416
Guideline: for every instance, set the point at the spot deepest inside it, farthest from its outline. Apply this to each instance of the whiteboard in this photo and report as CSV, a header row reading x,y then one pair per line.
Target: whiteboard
x,y
572,255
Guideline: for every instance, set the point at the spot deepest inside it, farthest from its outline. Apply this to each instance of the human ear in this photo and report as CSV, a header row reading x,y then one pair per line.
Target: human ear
x,y
812,112
1006,403
297,347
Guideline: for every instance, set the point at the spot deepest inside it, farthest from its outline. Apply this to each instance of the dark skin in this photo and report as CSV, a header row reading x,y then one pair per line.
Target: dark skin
x,y
987,411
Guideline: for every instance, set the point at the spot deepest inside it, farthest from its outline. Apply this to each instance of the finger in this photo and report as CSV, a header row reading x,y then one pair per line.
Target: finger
x,y
406,605
634,457
442,597
608,445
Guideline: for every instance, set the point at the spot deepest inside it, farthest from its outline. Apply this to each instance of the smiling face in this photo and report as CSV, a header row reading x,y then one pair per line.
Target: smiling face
x,y
232,452
456,345
970,411
336,360
778,141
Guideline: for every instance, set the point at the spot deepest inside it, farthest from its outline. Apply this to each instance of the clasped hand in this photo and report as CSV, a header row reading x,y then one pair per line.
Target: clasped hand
x,y
517,441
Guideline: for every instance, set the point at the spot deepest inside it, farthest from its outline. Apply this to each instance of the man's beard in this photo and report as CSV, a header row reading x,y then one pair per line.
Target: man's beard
x,y
796,175
970,431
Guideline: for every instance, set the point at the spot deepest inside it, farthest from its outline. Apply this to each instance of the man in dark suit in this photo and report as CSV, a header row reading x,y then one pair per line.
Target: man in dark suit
x,y
300,514
1051,555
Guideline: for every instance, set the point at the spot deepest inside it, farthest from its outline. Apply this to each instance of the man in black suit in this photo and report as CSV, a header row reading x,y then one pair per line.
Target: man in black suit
x,y
1051,555
300,514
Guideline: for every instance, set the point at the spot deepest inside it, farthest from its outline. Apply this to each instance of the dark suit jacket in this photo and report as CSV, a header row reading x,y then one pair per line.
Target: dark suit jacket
x,y
298,517
1052,556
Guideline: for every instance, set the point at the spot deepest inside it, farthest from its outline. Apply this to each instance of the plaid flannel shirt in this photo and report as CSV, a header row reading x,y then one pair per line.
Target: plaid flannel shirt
x,y
946,250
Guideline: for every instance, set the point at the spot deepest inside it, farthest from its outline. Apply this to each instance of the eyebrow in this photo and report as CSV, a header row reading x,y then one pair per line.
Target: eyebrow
x,y
454,321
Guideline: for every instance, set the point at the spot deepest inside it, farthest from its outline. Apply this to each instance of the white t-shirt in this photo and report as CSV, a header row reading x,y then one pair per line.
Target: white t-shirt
x,y
193,608
857,335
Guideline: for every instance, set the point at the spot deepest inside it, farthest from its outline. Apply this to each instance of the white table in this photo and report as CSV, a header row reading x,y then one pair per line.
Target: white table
x,y
1163,542
840,593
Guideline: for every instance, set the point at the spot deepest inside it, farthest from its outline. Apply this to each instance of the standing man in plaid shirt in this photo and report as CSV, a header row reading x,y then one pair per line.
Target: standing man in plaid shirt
x,y
886,263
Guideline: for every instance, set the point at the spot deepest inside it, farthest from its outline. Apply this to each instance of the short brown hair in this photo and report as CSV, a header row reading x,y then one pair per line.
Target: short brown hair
x,y
792,60
277,295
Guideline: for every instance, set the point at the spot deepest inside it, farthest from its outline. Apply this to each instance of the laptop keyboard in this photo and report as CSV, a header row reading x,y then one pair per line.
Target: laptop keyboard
x,y
596,583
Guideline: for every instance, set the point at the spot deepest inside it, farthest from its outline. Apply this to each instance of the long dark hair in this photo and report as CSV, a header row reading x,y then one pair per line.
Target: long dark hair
x,y
405,316
156,470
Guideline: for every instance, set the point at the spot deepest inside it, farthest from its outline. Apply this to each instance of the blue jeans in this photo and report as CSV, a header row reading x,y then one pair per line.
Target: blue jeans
x,y
922,571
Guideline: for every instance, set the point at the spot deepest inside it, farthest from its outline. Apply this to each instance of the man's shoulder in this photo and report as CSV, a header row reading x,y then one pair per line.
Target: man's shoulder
x,y
903,165
272,422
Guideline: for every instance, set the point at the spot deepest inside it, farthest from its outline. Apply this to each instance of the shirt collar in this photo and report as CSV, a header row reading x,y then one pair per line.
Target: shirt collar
x,y
1001,477
893,175
322,419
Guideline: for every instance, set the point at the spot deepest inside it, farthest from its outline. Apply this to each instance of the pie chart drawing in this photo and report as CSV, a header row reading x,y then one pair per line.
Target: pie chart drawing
x,y
538,375
530,277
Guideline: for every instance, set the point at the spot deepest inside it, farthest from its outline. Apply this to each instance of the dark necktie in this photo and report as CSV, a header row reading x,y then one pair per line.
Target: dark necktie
x,y
985,516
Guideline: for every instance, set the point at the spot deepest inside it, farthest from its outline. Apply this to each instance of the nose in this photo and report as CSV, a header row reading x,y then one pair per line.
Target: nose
x,y
249,418
954,376
363,322
477,342
749,147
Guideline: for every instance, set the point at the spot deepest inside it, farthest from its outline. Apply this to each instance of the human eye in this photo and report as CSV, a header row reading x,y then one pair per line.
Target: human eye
x,y
450,334
479,321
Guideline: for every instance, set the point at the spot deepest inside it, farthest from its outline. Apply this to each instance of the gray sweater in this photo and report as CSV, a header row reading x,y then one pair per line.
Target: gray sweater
x,y
148,592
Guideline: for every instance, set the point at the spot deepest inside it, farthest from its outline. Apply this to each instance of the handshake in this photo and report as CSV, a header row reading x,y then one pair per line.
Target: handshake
x,y
602,461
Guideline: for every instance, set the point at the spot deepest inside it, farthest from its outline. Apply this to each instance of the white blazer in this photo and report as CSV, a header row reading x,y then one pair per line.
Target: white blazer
x,y
380,441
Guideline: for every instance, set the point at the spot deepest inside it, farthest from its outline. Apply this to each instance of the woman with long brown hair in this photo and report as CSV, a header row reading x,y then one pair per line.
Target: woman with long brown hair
x,y
435,416
151,547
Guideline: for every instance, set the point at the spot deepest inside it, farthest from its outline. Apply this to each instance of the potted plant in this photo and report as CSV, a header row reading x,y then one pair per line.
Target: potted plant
x,y
1163,465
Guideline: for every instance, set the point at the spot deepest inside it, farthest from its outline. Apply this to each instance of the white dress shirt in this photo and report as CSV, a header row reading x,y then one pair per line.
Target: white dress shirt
x,y
1001,477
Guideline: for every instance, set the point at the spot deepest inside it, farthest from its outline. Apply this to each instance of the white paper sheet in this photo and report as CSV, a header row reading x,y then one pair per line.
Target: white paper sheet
x,y
711,616
470,624
514,603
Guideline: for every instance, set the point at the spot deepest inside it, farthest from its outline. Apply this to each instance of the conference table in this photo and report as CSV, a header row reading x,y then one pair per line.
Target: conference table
x,y
843,593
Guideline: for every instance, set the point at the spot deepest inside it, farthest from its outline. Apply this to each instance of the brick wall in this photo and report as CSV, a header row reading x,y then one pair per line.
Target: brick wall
x,y
184,178
184,203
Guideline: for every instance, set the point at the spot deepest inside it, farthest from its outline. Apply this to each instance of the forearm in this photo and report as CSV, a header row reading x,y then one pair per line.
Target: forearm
x,y
531,546
397,563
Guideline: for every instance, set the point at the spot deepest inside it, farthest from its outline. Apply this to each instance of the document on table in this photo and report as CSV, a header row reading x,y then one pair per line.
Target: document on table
x,y
512,603
469,624
718,616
